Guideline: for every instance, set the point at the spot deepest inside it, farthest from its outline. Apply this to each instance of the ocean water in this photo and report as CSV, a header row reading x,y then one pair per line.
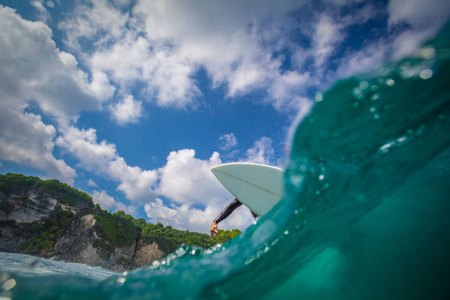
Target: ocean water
x,y
366,213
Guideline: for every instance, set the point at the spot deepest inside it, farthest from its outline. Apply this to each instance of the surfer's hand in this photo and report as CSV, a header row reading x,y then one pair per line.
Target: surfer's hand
x,y
213,231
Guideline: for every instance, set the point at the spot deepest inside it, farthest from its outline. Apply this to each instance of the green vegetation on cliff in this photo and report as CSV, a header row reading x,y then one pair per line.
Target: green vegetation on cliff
x,y
120,229
44,235
61,191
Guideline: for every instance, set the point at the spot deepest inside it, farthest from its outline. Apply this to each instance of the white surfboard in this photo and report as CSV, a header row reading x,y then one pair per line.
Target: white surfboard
x,y
259,187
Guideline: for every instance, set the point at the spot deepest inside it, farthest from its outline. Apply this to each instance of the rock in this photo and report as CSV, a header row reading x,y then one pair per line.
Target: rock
x,y
77,245
146,254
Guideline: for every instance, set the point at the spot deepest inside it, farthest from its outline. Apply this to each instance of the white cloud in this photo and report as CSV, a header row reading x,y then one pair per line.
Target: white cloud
x,y
43,13
97,21
228,141
418,13
368,59
262,152
34,69
158,212
103,159
26,140
126,111
162,44
327,36
424,18
186,179
128,209
106,201
92,183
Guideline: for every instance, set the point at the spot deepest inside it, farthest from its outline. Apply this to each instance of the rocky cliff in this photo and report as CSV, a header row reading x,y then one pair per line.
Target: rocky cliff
x,y
50,219
78,244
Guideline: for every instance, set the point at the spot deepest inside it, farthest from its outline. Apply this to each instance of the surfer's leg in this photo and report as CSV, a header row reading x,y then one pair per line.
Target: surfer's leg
x,y
227,211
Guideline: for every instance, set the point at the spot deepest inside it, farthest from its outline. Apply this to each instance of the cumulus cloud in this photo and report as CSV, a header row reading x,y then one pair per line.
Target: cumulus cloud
x,y
424,19
419,14
26,140
126,111
262,152
228,141
188,180
92,183
106,201
103,159
162,44
328,34
34,69
97,21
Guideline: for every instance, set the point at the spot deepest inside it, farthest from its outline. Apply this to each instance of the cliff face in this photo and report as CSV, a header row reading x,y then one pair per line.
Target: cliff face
x,y
39,219
77,245
33,205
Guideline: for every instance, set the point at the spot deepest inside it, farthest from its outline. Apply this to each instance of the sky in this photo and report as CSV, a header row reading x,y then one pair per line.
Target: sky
x,y
134,101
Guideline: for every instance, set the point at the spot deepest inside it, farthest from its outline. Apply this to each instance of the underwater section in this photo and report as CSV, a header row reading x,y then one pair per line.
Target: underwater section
x,y
365,214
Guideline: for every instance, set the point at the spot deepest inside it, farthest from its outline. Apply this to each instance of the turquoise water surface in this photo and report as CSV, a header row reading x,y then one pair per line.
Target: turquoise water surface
x,y
366,213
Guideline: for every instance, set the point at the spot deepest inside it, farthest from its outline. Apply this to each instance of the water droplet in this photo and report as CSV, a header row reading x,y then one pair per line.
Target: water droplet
x,y
441,117
390,82
121,280
372,109
355,104
319,97
356,91
321,177
286,232
426,74
296,211
317,192
193,252
9,284
374,87
426,53
364,85
375,97
402,139
386,147
376,116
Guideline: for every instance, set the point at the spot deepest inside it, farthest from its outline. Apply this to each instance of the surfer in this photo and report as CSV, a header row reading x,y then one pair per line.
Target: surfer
x,y
224,214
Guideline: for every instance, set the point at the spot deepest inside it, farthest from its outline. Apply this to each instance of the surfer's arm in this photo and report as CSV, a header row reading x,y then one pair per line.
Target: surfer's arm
x,y
223,215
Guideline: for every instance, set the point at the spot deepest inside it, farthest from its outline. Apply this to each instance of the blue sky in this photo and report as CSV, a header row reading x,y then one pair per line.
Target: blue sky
x,y
133,101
